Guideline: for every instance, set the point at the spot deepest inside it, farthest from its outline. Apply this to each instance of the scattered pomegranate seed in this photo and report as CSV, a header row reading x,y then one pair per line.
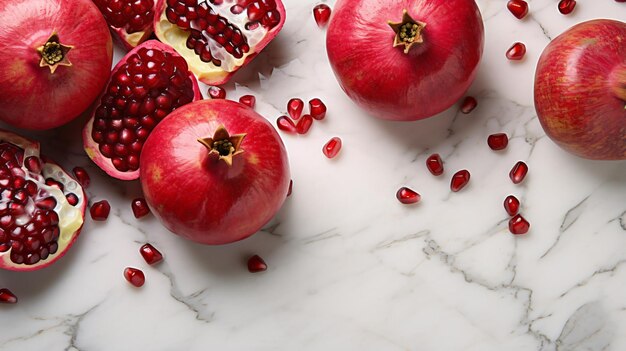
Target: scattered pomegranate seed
x,y
321,13
498,141
407,196
511,205
295,107
435,164
516,52
150,254
290,187
519,8
248,100
285,124
72,199
332,147
459,180
317,109
217,92
305,124
134,276
256,264
100,210
6,296
566,6
140,207
82,176
518,225
518,172
468,105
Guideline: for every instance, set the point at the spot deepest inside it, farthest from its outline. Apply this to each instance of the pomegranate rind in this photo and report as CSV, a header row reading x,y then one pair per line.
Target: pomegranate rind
x,y
91,147
130,40
214,208
30,96
207,73
71,218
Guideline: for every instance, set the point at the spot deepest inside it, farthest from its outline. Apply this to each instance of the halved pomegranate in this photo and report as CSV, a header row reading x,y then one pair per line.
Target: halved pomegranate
x,y
146,85
130,20
217,37
41,206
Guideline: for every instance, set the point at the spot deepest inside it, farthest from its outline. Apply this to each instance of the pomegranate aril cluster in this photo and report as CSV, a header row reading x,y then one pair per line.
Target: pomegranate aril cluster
x,y
131,15
207,28
29,225
295,107
149,86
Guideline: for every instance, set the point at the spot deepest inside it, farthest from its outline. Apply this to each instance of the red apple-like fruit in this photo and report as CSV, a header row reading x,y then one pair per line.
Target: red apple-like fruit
x,y
580,90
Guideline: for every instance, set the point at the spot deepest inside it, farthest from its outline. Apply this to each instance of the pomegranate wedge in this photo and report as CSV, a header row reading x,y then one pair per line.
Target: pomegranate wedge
x,y
146,85
41,206
217,37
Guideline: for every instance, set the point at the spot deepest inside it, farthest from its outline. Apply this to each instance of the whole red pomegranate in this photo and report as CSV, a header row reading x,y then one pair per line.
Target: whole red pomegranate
x,y
217,37
214,171
41,206
405,59
148,83
580,90
130,20
53,65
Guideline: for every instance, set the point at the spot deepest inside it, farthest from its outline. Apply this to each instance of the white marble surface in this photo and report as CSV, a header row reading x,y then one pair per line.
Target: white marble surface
x,y
349,267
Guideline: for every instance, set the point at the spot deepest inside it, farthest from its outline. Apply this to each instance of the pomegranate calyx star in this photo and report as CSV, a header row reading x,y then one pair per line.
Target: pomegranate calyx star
x,y
408,31
223,145
53,53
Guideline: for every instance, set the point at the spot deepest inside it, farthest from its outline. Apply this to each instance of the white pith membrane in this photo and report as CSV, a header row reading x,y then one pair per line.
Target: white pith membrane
x,y
177,38
70,217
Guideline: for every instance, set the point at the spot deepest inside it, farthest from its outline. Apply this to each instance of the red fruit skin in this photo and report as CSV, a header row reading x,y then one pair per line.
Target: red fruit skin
x,y
580,90
27,89
91,147
201,198
221,77
426,81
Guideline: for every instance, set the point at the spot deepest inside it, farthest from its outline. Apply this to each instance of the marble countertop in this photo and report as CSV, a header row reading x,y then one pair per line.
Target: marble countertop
x,y
350,268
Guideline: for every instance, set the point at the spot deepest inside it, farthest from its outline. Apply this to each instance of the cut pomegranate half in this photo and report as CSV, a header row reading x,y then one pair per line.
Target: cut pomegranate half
x,y
130,21
146,85
42,207
218,37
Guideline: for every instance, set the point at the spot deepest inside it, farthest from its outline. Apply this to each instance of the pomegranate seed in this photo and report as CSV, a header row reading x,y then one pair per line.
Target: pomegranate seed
x,y
290,187
518,172
134,276
407,196
33,164
140,207
434,164
285,124
304,124
332,147
248,100
459,180
519,8
516,52
317,109
518,225
217,92
321,13
82,176
511,205
72,199
566,6
150,254
294,108
468,105
100,210
256,264
6,296
498,141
